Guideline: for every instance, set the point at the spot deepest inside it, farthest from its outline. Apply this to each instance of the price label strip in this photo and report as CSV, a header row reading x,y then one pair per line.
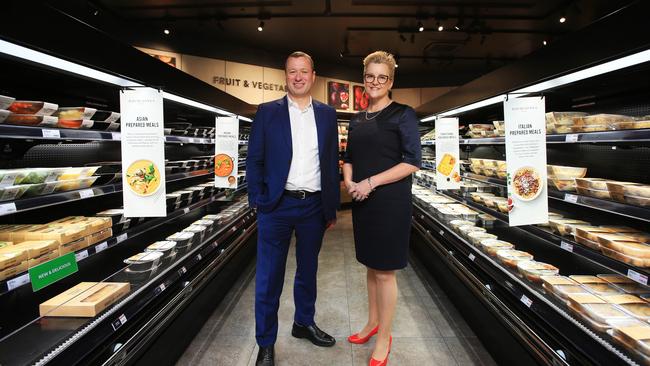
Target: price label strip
x,y
82,255
100,247
51,134
572,198
638,277
117,323
18,281
86,193
7,208
572,137
526,301
567,246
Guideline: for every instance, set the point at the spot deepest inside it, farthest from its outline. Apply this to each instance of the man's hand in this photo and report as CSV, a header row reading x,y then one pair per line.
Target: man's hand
x,y
330,224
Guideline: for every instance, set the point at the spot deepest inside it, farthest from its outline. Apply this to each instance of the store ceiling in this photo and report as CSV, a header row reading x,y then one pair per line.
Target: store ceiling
x,y
340,33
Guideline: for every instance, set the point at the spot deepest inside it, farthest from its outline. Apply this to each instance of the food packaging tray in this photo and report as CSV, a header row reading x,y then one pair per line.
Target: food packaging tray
x,y
87,299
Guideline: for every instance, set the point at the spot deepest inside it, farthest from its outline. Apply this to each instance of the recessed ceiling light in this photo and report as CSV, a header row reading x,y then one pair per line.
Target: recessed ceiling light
x,y
260,27
562,19
166,31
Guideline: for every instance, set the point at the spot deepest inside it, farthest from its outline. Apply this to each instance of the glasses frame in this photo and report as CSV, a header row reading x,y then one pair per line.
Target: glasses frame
x,y
366,78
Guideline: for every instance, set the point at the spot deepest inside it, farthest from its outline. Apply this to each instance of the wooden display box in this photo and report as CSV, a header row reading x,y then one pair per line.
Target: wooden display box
x,y
87,299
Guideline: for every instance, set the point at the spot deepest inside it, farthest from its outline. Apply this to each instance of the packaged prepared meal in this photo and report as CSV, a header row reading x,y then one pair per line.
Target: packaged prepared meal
x,y
31,120
566,172
588,243
565,227
466,229
629,125
592,183
600,119
635,261
144,261
602,289
84,124
582,279
75,113
476,237
638,201
594,193
562,118
565,185
491,246
33,107
533,270
634,337
561,286
183,239
106,116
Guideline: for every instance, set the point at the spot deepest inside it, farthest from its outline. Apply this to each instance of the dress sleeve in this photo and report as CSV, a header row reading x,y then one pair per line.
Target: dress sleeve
x,y
347,158
410,137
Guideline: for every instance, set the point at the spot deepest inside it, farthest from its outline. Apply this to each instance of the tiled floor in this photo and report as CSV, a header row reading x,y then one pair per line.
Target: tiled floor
x,y
427,330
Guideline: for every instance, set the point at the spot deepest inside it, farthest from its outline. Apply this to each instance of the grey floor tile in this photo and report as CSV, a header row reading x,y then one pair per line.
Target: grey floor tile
x,y
409,351
446,324
290,351
226,351
463,352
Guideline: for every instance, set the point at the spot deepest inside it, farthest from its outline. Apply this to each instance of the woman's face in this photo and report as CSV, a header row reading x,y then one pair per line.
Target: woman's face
x,y
373,78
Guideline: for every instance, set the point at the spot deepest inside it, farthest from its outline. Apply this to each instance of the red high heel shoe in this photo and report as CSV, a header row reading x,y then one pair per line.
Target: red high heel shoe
x,y
358,340
374,362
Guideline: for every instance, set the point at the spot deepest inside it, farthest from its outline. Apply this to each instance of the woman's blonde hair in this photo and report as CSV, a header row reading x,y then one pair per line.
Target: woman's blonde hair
x,y
380,57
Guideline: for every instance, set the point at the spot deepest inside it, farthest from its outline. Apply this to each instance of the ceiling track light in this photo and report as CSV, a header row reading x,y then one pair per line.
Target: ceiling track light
x,y
261,26
562,19
166,31
544,42
440,27
420,27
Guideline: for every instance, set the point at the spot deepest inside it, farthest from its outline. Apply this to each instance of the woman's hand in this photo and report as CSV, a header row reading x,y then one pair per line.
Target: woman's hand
x,y
363,190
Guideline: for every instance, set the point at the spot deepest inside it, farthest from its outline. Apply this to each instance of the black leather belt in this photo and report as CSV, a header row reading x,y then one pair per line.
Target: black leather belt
x,y
301,195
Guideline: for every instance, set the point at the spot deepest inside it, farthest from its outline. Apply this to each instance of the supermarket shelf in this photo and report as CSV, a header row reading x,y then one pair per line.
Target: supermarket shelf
x,y
27,204
642,135
546,310
619,208
23,279
638,274
39,133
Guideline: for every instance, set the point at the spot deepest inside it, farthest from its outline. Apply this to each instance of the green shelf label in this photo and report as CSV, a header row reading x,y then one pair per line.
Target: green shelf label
x,y
49,272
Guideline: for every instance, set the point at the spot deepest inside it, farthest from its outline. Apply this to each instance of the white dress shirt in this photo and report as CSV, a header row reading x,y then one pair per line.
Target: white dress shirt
x,y
304,172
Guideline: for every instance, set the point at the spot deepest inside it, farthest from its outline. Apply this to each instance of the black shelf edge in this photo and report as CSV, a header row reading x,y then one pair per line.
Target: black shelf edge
x,y
614,207
637,274
23,278
529,294
641,135
41,133
33,203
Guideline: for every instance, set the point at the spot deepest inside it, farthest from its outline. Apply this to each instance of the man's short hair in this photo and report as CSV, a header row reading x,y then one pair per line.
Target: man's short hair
x,y
297,54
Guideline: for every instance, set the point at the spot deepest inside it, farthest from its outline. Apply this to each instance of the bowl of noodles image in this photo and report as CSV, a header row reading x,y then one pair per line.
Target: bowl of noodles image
x,y
143,177
223,165
527,184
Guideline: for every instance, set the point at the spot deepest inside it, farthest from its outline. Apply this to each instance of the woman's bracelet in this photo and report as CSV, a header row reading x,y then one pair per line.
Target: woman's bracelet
x,y
372,189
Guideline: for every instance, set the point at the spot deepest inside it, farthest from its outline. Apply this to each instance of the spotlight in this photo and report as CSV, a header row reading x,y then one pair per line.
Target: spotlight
x,y
166,31
260,27
562,19
544,43
96,12
456,27
440,27
420,27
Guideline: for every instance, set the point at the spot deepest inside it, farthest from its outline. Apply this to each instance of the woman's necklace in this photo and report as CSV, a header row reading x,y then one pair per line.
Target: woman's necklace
x,y
378,113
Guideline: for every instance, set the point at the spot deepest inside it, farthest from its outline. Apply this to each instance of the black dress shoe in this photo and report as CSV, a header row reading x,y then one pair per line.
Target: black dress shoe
x,y
265,357
314,334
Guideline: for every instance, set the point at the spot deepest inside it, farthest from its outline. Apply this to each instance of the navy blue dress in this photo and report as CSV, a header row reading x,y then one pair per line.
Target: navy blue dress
x,y
382,222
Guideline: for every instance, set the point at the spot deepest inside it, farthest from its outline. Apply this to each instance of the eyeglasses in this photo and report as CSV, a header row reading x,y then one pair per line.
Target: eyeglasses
x,y
381,79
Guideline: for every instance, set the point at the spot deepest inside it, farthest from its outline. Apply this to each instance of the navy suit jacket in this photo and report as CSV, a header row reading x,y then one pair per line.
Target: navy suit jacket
x,y
270,152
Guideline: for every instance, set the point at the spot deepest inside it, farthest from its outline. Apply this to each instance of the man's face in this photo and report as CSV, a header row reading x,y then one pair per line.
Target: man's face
x,y
300,76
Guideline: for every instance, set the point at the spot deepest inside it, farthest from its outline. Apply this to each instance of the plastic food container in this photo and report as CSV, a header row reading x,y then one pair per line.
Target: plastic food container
x,y
84,124
3,115
562,286
41,175
116,215
72,184
511,257
476,237
625,243
40,189
106,116
167,248
592,183
565,226
479,196
636,338
12,192
199,230
566,172
602,289
10,177
33,107
481,127
144,261
184,241
600,119
490,172
466,229
31,120
486,221
562,118
588,243
210,224
638,201
564,185
77,173
5,101
592,232
533,270
594,193
74,113
635,261
491,246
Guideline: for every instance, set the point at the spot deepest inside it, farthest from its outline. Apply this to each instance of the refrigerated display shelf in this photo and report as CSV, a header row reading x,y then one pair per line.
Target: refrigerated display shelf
x,y
109,321
637,274
23,278
27,204
549,311
642,135
39,133
619,208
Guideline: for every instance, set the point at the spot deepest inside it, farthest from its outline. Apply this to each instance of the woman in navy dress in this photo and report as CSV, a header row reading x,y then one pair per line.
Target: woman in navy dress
x,y
383,151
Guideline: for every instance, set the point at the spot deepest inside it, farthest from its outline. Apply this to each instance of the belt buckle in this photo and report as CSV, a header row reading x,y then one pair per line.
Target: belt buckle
x,y
303,195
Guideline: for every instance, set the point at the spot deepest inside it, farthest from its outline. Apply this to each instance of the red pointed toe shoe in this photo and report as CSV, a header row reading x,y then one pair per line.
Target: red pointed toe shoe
x,y
358,340
374,362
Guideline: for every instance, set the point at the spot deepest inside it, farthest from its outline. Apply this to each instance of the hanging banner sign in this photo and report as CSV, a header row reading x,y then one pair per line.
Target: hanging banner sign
x,y
143,153
447,154
226,152
526,160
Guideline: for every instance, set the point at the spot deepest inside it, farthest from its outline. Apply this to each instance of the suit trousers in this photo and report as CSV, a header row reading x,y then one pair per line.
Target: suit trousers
x,y
305,217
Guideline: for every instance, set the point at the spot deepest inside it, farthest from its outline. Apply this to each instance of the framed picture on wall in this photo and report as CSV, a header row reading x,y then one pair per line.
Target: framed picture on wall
x,y
338,94
360,101
170,58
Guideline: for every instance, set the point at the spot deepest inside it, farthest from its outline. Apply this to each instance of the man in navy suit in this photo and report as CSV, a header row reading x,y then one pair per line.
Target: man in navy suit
x,y
293,181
